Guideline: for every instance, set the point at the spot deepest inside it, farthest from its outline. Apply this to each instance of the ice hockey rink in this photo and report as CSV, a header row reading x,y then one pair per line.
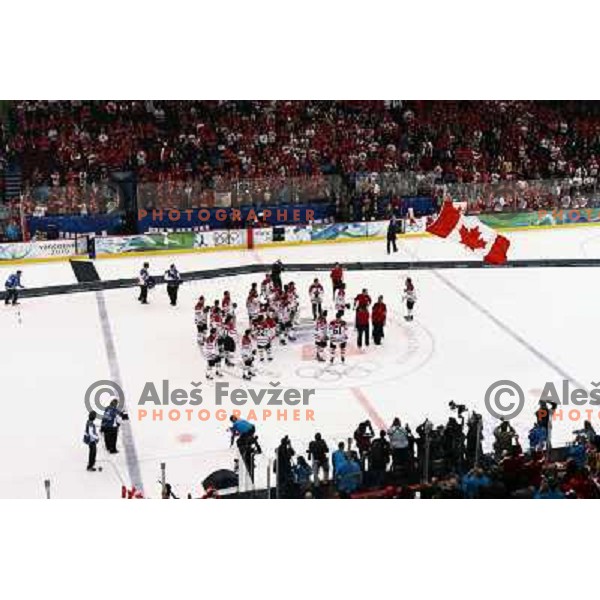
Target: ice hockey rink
x,y
472,327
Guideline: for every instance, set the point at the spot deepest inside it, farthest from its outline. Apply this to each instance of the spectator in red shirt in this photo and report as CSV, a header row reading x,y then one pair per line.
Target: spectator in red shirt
x,y
378,317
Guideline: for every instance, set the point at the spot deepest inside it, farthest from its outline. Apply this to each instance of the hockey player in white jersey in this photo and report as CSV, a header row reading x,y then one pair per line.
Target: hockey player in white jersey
x,y
201,314
263,335
340,299
338,336
321,334
247,352
409,297
253,307
212,355
284,316
315,292
228,340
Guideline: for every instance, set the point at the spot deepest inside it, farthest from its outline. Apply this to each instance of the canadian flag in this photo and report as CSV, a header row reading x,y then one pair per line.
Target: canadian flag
x,y
476,237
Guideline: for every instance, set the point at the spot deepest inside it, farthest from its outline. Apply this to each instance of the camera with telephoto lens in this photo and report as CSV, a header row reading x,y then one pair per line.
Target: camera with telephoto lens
x,y
459,408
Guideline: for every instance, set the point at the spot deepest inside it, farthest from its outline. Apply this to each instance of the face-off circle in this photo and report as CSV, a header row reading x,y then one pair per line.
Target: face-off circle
x,y
405,349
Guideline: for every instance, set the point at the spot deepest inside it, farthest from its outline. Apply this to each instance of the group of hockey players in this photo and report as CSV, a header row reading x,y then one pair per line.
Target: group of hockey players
x,y
273,315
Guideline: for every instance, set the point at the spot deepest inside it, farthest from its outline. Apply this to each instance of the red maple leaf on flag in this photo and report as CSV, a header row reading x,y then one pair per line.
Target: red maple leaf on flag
x,y
471,238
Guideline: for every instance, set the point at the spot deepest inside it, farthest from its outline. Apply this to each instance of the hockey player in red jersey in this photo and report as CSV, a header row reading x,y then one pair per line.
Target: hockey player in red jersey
x,y
338,336
321,335
315,292
248,353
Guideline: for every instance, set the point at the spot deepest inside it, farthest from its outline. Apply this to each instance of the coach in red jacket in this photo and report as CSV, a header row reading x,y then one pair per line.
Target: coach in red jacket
x,y
337,277
363,319
378,317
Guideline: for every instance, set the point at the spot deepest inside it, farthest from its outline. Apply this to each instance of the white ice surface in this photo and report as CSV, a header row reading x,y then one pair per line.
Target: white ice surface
x,y
53,349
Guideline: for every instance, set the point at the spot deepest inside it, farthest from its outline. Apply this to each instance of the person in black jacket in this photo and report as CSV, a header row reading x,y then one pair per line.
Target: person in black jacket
x,y
285,478
173,280
392,231
90,437
318,452
379,457
276,271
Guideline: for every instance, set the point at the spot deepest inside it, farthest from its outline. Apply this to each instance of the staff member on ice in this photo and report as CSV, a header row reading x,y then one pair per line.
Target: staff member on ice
x,y
12,286
90,437
173,280
392,231
111,421
378,317
145,282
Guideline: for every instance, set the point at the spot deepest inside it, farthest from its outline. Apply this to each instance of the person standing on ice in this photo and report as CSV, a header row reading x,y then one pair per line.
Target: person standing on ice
x,y
338,336
337,278
12,286
315,291
410,297
363,319
378,318
145,282
321,334
173,280
111,422
90,438
392,232
212,355
276,271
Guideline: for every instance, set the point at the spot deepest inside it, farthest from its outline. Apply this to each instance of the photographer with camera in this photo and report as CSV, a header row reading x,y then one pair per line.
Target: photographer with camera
x,y
399,444
505,439
379,457
318,452
474,449
283,467
453,442
247,441
362,436
109,427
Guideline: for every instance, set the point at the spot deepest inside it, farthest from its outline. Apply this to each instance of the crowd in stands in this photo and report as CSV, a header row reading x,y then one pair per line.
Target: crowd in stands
x,y
444,461
364,157
193,153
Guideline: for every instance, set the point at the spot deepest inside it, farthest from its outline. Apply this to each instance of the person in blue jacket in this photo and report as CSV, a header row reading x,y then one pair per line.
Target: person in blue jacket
x,y
473,481
109,427
349,476
12,286
243,430
548,491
